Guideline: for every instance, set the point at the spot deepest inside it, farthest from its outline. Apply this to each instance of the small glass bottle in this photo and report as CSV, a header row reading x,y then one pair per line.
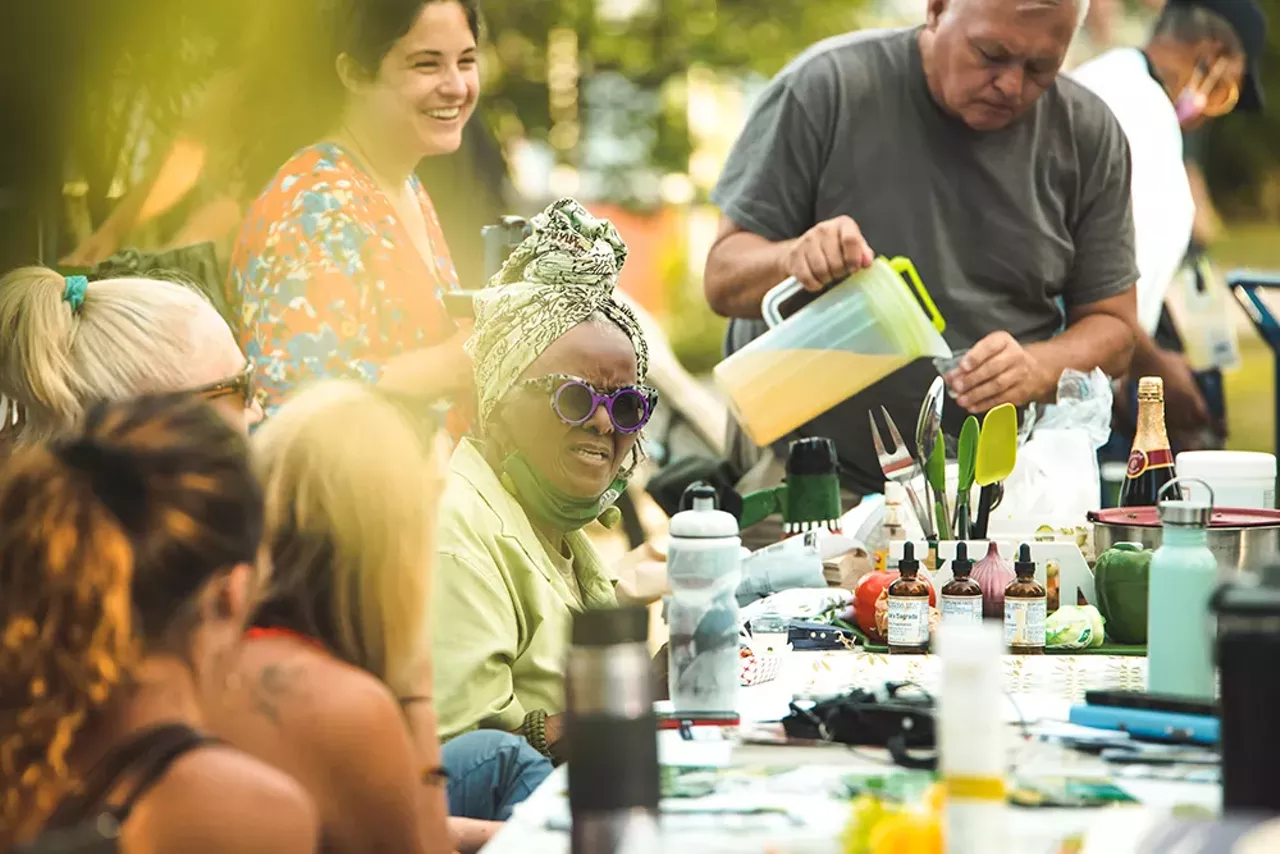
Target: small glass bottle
x,y
961,596
1025,605
769,631
908,607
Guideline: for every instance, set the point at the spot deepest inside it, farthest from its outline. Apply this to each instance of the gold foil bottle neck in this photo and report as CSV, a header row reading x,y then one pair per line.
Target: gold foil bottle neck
x,y
1151,388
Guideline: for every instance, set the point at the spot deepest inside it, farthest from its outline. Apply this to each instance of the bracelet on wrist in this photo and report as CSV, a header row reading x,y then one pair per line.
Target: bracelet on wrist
x,y
534,731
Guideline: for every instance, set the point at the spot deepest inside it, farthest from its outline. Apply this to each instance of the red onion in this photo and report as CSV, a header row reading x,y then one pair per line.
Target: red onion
x,y
993,574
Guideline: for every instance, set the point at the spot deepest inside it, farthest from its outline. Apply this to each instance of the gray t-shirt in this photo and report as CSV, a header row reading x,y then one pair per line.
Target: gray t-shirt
x,y
1004,227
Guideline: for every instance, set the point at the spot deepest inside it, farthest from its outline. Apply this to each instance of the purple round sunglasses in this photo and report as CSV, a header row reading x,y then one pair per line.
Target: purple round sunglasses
x,y
574,401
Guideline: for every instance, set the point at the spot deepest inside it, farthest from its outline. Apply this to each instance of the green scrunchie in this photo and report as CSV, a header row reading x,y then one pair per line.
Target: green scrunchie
x,y
73,293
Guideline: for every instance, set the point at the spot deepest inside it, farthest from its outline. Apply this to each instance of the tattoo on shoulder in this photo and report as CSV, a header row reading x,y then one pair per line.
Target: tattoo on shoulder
x,y
275,683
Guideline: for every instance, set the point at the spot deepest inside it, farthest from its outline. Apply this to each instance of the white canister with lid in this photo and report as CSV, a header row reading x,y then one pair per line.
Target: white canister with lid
x,y
1238,478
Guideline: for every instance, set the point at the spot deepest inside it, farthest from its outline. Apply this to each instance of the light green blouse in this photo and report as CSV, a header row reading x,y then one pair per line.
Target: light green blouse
x,y
502,609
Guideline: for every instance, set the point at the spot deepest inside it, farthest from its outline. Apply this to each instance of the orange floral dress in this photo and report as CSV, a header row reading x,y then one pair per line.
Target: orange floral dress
x,y
328,281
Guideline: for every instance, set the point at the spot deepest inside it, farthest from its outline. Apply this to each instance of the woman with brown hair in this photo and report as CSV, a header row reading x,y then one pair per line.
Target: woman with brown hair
x,y
341,267
126,573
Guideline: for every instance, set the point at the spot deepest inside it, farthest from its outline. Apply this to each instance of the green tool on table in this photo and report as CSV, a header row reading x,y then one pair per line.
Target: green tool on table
x,y
967,454
997,454
935,472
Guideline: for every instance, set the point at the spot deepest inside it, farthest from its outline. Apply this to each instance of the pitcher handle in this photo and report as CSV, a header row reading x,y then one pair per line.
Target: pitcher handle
x,y
771,305
903,267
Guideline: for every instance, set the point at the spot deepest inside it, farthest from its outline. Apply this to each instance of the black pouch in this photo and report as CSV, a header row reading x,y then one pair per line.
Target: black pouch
x,y
818,636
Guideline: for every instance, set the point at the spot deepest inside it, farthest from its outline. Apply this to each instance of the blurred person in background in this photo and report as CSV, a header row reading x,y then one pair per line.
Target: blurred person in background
x,y
559,366
266,96
68,342
341,266
208,168
1111,24
333,684
127,556
1200,62
1020,177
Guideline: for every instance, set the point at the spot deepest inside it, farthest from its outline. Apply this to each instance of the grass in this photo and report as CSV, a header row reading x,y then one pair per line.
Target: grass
x,y
1250,391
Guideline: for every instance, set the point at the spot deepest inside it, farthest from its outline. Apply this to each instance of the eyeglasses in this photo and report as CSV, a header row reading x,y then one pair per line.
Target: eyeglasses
x,y
575,400
242,384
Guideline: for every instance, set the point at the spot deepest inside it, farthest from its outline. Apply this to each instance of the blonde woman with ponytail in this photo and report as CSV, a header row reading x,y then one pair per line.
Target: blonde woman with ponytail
x,y
66,342
333,684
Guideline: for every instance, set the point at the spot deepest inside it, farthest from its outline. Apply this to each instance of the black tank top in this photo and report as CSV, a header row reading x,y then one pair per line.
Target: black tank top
x,y
85,823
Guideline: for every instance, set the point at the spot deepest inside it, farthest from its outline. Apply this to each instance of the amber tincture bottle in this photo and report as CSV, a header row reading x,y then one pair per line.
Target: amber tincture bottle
x,y
909,607
1025,606
1150,460
961,596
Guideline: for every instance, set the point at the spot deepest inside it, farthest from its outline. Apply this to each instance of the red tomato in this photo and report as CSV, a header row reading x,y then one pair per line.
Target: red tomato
x,y
869,589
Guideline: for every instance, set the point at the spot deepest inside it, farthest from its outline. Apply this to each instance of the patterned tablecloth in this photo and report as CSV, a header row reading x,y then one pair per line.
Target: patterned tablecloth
x,y
1064,677
1045,687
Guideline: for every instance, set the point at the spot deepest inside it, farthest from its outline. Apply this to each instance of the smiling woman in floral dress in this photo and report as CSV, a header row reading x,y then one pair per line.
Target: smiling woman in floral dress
x,y
341,264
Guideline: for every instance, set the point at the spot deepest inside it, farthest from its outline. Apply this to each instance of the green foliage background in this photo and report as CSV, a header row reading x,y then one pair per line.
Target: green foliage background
x,y
1242,162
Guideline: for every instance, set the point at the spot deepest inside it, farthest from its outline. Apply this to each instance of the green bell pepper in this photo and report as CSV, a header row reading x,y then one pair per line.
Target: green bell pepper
x,y
1120,576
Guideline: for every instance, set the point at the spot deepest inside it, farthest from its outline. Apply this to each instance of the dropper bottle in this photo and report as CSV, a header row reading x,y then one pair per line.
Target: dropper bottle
x,y
1025,607
908,607
961,596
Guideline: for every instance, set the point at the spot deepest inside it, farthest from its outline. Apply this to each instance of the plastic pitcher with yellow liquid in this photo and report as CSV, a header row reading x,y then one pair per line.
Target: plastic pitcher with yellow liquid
x,y
853,335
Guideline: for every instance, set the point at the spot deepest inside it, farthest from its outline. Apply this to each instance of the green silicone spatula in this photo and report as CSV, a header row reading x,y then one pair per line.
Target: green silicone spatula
x,y
935,471
997,454
967,454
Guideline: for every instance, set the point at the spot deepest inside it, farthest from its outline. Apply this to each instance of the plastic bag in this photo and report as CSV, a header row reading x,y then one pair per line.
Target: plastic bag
x,y
795,562
1083,403
1056,480
1210,339
1074,627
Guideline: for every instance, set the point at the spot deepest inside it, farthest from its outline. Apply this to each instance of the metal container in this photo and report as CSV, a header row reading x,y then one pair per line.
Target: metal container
x,y
1241,539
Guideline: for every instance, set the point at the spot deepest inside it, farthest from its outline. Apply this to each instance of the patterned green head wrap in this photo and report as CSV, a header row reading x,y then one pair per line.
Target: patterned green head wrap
x,y
560,276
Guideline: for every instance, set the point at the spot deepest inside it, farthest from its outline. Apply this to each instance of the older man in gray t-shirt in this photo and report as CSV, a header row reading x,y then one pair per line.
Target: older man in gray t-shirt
x,y
957,145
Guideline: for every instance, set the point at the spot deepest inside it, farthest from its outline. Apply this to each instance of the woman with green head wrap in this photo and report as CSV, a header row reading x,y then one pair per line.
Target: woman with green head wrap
x,y
559,363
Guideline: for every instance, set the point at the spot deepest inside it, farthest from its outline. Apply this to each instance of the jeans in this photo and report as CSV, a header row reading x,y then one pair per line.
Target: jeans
x,y
490,772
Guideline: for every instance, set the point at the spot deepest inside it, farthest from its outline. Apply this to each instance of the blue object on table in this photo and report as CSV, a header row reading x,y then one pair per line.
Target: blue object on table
x,y
1246,285
1149,723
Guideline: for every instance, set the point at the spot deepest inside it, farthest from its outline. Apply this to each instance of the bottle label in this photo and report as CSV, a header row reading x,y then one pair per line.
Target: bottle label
x,y
1024,622
962,610
908,620
1140,461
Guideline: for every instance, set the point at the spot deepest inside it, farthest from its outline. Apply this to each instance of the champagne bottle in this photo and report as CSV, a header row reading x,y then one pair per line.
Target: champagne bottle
x,y
1150,461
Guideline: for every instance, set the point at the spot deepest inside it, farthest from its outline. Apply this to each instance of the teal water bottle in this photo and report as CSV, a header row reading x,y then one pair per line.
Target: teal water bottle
x,y
1181,629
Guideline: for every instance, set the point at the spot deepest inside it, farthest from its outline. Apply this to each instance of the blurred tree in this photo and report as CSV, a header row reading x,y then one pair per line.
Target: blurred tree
x,y
553,67
634,55
142,64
